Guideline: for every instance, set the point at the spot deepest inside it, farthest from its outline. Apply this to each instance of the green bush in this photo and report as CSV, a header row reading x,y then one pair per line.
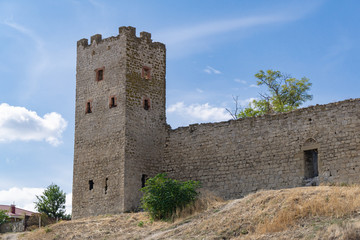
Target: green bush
x,y
163,195
3,217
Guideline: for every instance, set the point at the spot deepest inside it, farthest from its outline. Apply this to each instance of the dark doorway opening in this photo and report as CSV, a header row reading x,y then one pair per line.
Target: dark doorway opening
x,y
311,163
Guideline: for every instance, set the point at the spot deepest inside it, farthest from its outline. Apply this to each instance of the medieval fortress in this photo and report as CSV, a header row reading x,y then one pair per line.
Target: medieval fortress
x,y
122,138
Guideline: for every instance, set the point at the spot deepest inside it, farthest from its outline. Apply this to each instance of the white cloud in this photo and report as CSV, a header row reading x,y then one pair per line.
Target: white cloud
x,y
240,81
254,86
211,70
68,203
22,197
246,102
18,123
25,197
199,112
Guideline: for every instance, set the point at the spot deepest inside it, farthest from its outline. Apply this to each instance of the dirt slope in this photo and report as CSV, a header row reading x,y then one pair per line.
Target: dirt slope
x,y
300,213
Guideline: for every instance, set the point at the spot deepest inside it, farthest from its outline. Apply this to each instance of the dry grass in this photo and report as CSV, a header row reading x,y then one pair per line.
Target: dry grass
x,y
300,213
207,200
334,202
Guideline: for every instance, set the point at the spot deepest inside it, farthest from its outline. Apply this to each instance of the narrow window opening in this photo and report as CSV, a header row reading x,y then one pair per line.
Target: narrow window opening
x,y
146,73
106,185
91,185
146,104
99,74
144,177
88,107
112,102
311,166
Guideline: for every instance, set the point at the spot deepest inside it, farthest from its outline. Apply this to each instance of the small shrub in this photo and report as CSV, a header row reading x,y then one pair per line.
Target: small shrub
x,y
47,230
141,224
163,196
3,217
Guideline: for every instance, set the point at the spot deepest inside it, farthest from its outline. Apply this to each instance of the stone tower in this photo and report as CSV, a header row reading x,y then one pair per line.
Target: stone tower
x,y
120,124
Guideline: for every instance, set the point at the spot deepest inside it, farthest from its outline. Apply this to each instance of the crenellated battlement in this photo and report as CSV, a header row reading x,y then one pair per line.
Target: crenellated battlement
x,y
128,32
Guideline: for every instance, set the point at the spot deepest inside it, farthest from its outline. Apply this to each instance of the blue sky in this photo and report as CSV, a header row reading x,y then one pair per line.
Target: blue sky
x,y
214,48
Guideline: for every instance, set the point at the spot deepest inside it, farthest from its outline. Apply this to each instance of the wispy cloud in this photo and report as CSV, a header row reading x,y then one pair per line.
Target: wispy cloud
x,y
40,60
199,90
25,31
211,70
199,112
245,83
202,30
98,5
20,124
25,198
187,39
240,81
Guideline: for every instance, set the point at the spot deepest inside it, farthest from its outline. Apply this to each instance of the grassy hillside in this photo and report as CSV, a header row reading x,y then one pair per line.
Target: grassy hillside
x,y
300,213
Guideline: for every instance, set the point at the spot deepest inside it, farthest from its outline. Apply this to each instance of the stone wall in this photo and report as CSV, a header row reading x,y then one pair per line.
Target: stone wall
x,y
18,226
237,157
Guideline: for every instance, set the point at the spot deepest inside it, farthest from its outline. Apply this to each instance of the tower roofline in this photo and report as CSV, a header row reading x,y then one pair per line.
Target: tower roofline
x,y
129,32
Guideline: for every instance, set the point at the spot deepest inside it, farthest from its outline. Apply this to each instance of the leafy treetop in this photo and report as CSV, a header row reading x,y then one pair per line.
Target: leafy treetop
x,y
284,94
52,202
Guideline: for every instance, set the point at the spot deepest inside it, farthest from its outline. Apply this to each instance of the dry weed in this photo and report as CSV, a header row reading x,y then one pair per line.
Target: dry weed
x,y
347,231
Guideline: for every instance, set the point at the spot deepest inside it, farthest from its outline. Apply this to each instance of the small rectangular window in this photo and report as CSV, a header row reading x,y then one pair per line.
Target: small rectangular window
x,y
112,102
99,74
91,185
144,177
88,107
106,185
146,73
146,104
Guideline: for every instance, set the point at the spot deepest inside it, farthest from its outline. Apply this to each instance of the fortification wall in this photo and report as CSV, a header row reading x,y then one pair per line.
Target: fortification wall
x,y
237,157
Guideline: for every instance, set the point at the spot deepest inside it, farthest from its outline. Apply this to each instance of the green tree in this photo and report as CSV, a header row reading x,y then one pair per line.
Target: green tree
x,y
284,93
52,202
163,195
3,217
